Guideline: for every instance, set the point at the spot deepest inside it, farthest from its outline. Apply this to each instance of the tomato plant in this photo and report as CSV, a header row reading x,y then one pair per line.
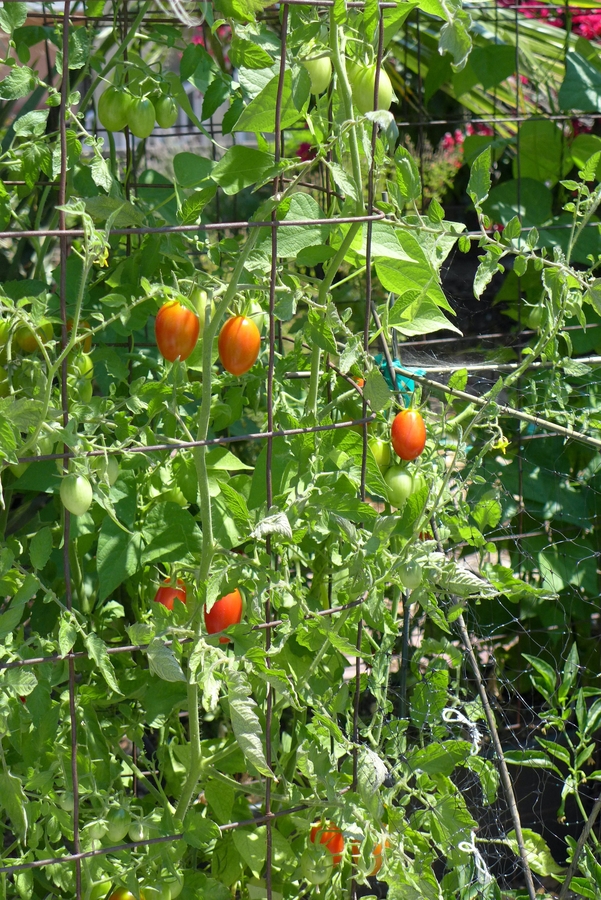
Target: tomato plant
x,y
141,117
176,328
239,344
225,612
320,73
167,594
408,434
113,108
76,494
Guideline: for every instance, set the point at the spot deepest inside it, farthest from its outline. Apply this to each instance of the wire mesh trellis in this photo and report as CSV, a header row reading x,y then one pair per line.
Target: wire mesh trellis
x,y
67,235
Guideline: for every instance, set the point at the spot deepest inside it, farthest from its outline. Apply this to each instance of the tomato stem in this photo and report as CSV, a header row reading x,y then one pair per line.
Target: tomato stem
x,y
208,547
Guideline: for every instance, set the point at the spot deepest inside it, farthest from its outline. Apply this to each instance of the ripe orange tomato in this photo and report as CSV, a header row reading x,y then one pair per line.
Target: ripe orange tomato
x,y
122,894
331,836
239,344
166,594
408,434
377,855
223,613
176,329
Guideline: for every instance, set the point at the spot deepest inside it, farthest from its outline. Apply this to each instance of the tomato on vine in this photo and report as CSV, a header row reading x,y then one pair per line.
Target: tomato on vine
x,y
118,824
320,73
381,452
167,594
107,468
363,86
376,855
113,108
331,836
141,117
224,612
81,373
166,111
76,494
123,894
239,344
400,485
25,337
176,329
410,575
408,434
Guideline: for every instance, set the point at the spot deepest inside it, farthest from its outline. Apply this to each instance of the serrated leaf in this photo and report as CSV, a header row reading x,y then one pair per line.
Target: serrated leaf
x,y
162,661
141,633
67,634
198,830
274,524
14,801
40,547
98,651
245,722
480,180
22,682
376,391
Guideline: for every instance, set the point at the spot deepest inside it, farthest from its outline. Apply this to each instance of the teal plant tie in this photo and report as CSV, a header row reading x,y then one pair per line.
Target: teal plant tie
x,y
404,384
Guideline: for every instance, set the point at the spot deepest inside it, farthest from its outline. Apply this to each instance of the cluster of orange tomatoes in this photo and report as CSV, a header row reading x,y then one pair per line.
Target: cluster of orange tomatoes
x,y
177,330
225,612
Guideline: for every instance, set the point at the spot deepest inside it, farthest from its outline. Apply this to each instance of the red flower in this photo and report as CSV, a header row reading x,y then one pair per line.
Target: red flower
x,y
306,151
448,141
588,25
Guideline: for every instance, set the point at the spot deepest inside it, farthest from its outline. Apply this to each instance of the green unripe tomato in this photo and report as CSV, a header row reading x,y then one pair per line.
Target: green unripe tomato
x,y
96,830
19,469
113,107
175,885
139,831
199,299
166,112
535,318
66,801
316,868
381,453
320,73
257,314
119,823
108,469
79,379
140,117
4,335
76,494
25,337
410,575
99,889
363,84
400,485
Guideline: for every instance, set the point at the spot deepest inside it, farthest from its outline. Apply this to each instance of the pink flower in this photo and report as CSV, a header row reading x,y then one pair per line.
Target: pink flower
x,y
588,25
459,136
448,141
485,130
580,127
197,37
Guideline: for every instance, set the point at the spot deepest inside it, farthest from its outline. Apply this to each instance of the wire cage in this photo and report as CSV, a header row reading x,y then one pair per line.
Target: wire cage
x,y
541,525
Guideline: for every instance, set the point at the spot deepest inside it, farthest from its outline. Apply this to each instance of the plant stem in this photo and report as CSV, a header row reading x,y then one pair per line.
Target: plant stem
x,y
208,548
344,88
